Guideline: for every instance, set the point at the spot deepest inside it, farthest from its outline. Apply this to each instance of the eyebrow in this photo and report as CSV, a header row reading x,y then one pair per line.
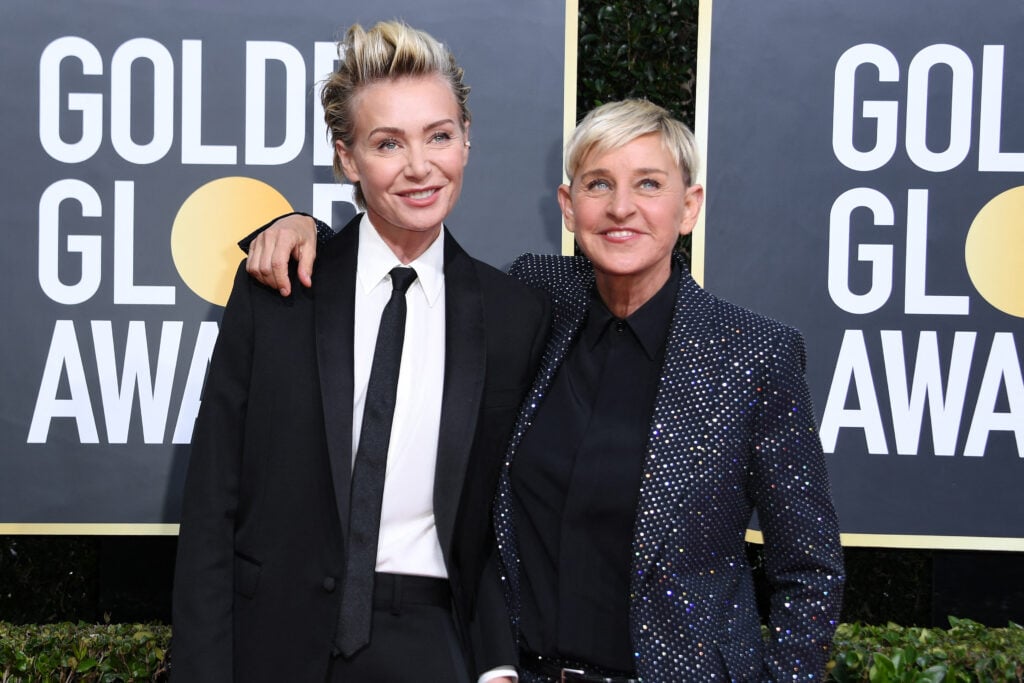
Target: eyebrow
x,y
636,171
391,130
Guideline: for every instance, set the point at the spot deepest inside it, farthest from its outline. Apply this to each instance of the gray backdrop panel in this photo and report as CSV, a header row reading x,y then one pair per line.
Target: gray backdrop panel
x,y
772,180
513,54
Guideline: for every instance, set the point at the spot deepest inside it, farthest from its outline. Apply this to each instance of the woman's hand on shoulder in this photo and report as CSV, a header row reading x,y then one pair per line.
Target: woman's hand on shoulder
x,y
293,236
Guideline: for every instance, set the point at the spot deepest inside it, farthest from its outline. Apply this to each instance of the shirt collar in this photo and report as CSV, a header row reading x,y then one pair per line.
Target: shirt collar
x,y
649,323
375,260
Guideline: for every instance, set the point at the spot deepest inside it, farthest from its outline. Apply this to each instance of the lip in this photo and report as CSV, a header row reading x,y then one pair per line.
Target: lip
x,y
619,235
421,196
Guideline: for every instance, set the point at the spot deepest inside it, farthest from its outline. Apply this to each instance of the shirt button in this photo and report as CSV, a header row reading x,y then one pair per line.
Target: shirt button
x,y
329,584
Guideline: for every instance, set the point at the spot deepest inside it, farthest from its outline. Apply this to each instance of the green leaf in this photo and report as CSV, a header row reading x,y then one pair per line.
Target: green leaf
x,y
87,664
882,669
933,674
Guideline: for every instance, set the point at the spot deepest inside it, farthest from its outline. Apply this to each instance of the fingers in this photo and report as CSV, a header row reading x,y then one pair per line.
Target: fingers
x,y
306,256
290,237
268,260
279,267
304,250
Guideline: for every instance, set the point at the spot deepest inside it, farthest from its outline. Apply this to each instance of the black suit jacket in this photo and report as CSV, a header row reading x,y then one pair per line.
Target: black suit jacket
x,y
265,513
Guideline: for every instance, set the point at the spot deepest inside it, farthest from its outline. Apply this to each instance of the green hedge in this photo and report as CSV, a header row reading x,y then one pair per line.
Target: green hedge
x,y
62,653
964,653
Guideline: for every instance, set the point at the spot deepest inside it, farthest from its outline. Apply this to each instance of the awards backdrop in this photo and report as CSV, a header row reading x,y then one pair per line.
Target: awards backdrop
x,y
141,140
865,184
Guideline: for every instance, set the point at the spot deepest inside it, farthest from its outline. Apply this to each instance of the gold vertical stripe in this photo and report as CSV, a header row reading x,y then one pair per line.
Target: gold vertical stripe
x,y
701,133
572,36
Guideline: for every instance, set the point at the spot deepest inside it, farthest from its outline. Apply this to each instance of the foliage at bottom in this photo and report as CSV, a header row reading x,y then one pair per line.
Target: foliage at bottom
x,y
967,652
83,653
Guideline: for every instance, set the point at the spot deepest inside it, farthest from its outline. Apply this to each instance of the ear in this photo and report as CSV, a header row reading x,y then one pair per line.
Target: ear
x,y
693,200
465,145
565,201
348,162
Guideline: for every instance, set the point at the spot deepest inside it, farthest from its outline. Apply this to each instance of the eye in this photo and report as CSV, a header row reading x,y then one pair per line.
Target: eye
x,y
441,137
649,184
597,185
387,145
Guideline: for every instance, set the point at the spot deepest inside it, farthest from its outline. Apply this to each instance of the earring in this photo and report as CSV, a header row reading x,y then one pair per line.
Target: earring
x,y
468,143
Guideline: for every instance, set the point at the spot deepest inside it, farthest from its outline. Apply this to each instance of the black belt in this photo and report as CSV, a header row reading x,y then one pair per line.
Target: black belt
x,y
565,672
393,590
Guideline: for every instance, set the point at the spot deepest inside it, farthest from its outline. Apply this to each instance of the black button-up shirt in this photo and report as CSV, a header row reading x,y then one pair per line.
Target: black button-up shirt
x,y
575,483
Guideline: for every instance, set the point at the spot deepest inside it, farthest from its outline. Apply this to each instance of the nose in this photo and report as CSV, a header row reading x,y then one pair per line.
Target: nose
x,y
620,203
417,164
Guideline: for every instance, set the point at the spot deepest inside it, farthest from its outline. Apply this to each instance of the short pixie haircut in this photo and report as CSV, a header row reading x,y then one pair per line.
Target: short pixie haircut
x,y
616,124
389,50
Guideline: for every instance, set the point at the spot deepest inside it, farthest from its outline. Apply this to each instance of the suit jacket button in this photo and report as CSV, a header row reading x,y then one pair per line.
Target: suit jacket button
x,y
329,584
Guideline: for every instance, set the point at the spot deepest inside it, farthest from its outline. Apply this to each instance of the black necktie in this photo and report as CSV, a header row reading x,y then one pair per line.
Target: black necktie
x,y
368,473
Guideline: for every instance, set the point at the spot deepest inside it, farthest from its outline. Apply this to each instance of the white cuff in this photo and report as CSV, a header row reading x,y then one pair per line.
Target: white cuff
x,y
498,673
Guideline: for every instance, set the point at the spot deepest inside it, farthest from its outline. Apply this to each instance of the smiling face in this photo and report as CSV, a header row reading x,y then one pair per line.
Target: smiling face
x,y
408,154
626,207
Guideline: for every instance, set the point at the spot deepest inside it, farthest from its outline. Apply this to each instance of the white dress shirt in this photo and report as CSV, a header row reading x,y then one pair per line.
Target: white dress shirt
x,y
408,541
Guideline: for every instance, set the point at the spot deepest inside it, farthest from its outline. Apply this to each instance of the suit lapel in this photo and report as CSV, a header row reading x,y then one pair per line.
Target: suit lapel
x,y
679,425
335,310
569,294
570,299
464,372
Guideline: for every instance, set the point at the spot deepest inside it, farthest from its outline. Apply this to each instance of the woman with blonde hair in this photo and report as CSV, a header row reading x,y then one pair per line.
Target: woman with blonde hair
x,y
335,519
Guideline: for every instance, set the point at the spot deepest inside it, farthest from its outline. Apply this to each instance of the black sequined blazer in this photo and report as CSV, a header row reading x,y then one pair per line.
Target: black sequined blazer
x,y
732,432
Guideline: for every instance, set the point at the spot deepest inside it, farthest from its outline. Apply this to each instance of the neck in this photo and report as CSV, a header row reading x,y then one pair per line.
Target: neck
x,y
624,294
409,245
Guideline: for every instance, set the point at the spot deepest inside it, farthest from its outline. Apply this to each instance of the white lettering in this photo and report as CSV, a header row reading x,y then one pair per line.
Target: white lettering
x,y
960,108
125,289
257,55
325,194
89,104
879,255
990,120
945,406
1002,369
121,111
915,298
324,57
192,398
64,355
89,246
118,394
852,367
193,151
885,113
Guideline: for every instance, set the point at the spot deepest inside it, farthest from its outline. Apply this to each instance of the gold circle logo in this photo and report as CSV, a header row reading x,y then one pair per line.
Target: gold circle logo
x,y
210,223
994,252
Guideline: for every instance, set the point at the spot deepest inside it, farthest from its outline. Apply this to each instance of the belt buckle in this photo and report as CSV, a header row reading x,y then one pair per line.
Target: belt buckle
x,y
570,671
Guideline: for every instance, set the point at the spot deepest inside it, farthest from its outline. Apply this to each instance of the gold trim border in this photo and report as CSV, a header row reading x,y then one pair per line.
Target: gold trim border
x,y
907,542
701,133
849,540
88,529
572,37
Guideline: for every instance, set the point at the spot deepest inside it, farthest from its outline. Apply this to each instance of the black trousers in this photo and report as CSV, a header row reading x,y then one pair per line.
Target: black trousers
x,y
409,643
